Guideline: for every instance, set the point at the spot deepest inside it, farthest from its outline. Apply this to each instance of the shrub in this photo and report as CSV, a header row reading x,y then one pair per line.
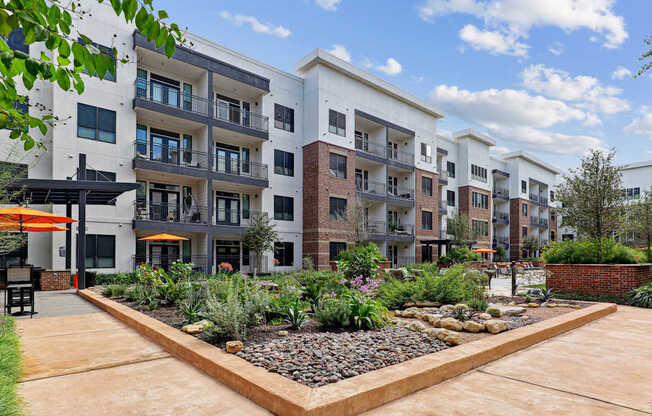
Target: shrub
x,y
360,261
141,295
180,271
478,304
307,263
114,291
288,294
333,312
193,305
641,296
394,293
493,311
106,279
366,313
586,252
459,255
171,292
295,316
10,368
455,286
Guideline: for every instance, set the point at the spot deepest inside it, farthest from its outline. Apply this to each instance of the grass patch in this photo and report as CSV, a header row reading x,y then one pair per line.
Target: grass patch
x,y
539,286
10,368
590,298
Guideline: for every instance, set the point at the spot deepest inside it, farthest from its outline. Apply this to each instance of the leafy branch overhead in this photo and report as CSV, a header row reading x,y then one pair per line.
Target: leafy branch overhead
x,y
70,53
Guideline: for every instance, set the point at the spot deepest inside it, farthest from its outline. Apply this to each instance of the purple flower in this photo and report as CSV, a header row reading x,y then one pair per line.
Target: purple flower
x,y
332,294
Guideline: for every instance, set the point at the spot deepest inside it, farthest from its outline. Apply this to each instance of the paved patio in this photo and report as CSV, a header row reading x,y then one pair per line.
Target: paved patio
x,y
56,303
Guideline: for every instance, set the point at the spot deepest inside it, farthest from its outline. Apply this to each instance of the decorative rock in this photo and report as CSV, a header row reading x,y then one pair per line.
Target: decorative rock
x,y
522,305
234,346
449,337
496,326
484,316
447,308
397,313
472,326
282,333
494,311
451,323
416,326
197,327
532,305
434,320
512,303
423,304
513,311
563,305
576,306
551,305
462,306
525,318
409,313
421,316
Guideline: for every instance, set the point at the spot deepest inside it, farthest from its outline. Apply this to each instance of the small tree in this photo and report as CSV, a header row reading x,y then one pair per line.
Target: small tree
x,y
531,245
260,237
357,222
10,241
591,197
460,228
638,220
501,253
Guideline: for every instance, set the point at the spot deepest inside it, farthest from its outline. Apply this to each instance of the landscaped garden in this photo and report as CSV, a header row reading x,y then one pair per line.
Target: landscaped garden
x,y
10,368
319,327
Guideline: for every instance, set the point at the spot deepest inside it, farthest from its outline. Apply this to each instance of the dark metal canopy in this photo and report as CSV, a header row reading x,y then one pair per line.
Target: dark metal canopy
x,y
61,191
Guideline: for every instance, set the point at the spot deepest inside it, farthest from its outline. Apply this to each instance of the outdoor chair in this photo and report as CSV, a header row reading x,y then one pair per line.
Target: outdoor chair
x,y
19,292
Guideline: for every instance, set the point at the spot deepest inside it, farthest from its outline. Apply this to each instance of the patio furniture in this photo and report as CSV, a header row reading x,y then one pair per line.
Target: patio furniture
x,y
19,292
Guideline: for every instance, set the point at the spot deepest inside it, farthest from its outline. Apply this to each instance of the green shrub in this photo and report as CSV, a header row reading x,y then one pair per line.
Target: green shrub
x,y
641,296
10,368
180,271
171,292
288,294
394,293
106,279
114,291
455,286
430,268
333,312
586,252
459,255
295,316
360,261
141,295
351,309
193,305
478,304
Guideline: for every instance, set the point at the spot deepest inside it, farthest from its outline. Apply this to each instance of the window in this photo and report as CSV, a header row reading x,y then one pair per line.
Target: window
x,y
338,165
187,97
480,228
450,168
95,123
450,198
426,220
284,253
632,193
16,41
524,210
283,163
13,170
141,83
336,123
100,176
523,187
524,232
426,153
105,50
283,208
22,107
478,173
480,200
100,251
337,208
334,250
284,118
426,186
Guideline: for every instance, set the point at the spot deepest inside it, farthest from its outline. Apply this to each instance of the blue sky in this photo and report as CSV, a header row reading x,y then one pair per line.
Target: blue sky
x,y
550,77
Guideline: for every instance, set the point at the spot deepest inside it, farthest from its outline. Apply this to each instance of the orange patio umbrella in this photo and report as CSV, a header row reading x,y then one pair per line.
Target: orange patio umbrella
x,y
36,227
23,215
163,237
483,250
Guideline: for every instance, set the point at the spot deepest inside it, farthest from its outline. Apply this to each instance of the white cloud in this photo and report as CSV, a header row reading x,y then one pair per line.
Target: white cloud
x,y
499,150
518,117
391,67
585,91
330,5
518,16
621,72
592,120
255,24
641,126
494,42
341,52
557,48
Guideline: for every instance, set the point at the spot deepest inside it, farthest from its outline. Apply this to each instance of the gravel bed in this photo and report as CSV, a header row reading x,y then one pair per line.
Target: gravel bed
x,y
319,358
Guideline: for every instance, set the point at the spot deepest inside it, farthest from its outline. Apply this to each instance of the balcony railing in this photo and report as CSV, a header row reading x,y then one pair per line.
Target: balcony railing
x,y
170,95
534,198
400,156
443,207
443,174
479,178
375,226
194,214
241,117
543,200
239,167
235,217
426,158
164,262
539,222
501,218
501,241
400,192
173,155
370,147
501,193
371,187
401,229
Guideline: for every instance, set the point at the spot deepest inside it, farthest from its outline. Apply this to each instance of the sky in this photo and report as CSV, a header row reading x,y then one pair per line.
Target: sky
x,y
553,78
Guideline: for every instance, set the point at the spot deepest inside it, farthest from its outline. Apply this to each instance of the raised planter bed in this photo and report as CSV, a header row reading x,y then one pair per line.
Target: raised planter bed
x,y
597,279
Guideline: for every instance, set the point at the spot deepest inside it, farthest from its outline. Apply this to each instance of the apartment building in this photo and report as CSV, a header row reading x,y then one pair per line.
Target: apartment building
x,y
212,136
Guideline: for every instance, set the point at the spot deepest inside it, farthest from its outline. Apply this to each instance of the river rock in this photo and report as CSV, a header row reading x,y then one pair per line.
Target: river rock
x,y
234,346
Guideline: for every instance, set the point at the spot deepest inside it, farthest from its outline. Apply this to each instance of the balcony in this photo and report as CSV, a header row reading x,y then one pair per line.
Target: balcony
x,y
241,120
543,201
400,193
170,217
443,176
443,207
240,171
371,148
170,159
501,241
500,193
402,261
539,222
400,230
371,189
400,156
168,99
500,218
234,217
375,226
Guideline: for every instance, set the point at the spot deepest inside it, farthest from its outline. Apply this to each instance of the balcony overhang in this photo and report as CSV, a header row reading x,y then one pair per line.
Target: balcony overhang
x,y
400,237
402,202
169,110
500,173
372,196
243,180
145,164
240,129
388,124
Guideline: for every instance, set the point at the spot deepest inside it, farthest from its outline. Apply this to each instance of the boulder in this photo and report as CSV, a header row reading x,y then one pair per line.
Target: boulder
x,y
282,333
494,311
422,304
484,316
421,316
397,313
522,305
563,305
447,308
462,306
234,346
416,326
576,306
451,323
197,327
473,326
496,326
432,332
525,318
532,305
506,310
409,313
434,320
551,305
449,337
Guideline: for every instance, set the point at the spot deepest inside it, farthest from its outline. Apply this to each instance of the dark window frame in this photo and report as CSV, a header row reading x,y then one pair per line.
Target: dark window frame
x,y
283,208
99,112
334,249
337,208
105,50
95,245
450,168
284,253
426,185
339,170
450,201
283,118
426,220
336,123
480,200
524,209
283,163
523,187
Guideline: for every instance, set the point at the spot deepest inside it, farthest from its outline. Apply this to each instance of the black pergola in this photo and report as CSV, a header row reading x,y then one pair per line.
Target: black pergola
x,y
71,192
448,243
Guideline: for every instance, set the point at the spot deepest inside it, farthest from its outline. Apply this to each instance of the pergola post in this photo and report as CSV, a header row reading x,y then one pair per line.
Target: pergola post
x,y
81,228
68,237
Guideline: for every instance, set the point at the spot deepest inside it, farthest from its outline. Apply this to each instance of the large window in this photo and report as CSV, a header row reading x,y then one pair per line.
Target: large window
x,y
450,168
480,228
337,208
450,198
95,123
426,220
426,186
283,163
480,200
478,173
524,210
337,165
100,175
632,193
284,253
336,123
426,153
524,232
100,251
283,208
523,187
334,250
283,118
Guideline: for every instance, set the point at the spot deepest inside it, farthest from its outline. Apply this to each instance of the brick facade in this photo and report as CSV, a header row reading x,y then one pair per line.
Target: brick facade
x,y
516,222
426,203
55,280
318,186
597,279
466,208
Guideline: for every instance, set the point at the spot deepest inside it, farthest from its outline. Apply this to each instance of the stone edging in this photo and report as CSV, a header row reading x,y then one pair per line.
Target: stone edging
x,y
353,395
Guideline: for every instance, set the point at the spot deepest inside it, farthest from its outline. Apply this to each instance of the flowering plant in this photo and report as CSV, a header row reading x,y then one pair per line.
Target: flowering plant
x,y
366,285
275,261
225,267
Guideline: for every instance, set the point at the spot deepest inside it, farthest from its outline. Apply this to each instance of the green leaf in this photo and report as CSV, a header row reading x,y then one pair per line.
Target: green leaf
x,y
100,65
79,86
6,58
32,67
28,80
130,8
141,18
44,57
67,19
63,61
78,52
64,48
161,38
52,42
89,61
47,70
162,14
170,45
14,134
117,6
29,142
5,28
62,79
40,34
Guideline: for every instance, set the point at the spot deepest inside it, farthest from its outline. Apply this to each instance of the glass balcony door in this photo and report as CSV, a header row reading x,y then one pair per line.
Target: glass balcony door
x,y
163,255
164,205
227,161
164,91
164,149
228,210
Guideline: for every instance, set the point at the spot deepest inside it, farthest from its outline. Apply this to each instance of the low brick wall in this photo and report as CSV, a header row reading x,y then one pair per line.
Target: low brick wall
x,y
597,279
55,280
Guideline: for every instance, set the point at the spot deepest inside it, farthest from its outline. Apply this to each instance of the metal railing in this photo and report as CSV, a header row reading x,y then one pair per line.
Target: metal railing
x,y
534,198
173,155
195,214
443,207
403,261
226,112
500,193
539,222
171,95
371,187
400,192
164,262
400,229
374,226
543,200
443,174
370,147
501,218
479,178
502,241
239,167
400,155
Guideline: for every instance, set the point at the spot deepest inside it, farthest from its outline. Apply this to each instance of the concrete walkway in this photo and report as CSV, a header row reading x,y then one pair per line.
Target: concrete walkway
x,y
56,303
602,368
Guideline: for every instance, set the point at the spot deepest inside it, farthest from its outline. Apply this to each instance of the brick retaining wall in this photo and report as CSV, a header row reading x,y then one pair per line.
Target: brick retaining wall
x,y
55,280
597,279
